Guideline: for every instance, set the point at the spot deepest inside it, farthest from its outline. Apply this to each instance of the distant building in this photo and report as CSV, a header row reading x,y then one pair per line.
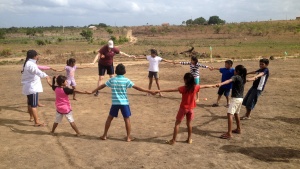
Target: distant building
x,y
298,18
93,27
165,24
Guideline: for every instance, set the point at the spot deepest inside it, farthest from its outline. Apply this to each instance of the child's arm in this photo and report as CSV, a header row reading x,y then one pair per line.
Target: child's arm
x,y
224,83
168,61
143,90
83,67
256,77
49,81
140,57
208,86
251,72
81,92
125,54
214,68
169,90
96,58
99,88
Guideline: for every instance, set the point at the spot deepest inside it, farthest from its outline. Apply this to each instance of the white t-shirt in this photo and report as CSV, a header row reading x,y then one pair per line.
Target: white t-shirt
x,y
153,63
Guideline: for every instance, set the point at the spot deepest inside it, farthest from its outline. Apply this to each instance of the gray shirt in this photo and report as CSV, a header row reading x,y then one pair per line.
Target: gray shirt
x,y
237,86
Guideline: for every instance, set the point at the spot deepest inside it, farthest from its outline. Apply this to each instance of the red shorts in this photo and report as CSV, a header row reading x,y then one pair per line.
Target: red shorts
x,y
189,113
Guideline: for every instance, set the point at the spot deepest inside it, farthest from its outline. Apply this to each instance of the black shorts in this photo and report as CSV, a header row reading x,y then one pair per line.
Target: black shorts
x,y
153,74
109,69
224,91
33,99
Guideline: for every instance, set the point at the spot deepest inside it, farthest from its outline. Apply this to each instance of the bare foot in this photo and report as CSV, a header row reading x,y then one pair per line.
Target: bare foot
x,y
161,95
103,137
74,98
41,105
171,142
31,119
129,139
52,133
189,141
40,125
79,134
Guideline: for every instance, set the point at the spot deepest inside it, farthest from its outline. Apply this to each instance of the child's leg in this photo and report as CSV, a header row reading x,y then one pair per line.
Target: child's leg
x,y
176,129
74,94
107,125
248,112
34,112
218,100
128,128
229,132
54,127
197,96
157,84
238,124
150,83
189,126
30,113
73,125
227,100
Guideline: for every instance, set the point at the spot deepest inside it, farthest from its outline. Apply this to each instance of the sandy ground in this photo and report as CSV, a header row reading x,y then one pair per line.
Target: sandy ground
x,y
269,140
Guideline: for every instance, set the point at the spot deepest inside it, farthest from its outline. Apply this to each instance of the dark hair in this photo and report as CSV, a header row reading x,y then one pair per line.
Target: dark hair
x,y
60,79
242,71
264,60
229,62
195,59
189,82
30,55
70,61
120,69
153,51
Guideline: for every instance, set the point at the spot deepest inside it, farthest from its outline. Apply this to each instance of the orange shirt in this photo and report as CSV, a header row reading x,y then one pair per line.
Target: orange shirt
x,y
188,99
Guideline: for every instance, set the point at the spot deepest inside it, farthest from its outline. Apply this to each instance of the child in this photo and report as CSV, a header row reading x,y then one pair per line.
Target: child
x,y
32,86
62,102
70,70
227,73
119,85
153,69
260,80
194,69
238,81
187,105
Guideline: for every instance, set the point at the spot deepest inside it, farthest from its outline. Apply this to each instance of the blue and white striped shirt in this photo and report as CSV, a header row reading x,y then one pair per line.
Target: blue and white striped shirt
x,y
119,85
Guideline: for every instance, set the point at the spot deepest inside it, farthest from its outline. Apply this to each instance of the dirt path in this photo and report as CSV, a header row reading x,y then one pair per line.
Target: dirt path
x,y
269,140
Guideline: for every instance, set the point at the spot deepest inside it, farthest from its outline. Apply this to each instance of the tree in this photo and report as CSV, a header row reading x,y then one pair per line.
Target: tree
x,y
199,21
30,32
153,30
102,25
2,34
189,22
215,20
110,31
87,34
183,22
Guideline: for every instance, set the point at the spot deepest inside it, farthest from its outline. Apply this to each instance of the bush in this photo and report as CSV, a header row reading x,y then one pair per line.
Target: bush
x,y
5,52
40,42
59,39
87,34
2,34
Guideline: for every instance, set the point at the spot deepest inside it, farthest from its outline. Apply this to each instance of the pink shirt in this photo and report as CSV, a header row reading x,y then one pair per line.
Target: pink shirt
x,y
70,72
62,102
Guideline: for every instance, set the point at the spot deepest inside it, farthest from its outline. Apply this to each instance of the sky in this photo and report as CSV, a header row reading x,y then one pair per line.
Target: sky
x,y
30,13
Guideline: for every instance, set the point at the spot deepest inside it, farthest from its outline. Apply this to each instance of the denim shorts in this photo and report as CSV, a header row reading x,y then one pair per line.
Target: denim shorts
x,y
251,98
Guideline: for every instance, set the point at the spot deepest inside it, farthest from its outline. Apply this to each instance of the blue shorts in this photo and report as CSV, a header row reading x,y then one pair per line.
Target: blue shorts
x,y
102,69
33,99
197,80
224,91
114,110
250,99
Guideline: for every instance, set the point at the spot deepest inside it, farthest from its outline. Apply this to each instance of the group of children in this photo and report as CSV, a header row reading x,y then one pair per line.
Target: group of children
x,y
232,79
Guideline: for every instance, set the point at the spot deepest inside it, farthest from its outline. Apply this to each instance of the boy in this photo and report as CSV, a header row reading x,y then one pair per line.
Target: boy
x,y
227,73
260,80
119,85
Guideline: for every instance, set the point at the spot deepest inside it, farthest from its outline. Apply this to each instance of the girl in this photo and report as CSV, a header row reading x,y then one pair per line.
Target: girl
x,y
238,81
62,102
194,69
187,105
154,60
31,81
70,72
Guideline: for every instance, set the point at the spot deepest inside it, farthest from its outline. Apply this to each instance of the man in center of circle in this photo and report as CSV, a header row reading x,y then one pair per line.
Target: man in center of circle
x,y
105,61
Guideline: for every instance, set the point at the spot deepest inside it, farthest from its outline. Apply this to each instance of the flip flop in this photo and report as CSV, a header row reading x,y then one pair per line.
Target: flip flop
x,y
245,118
171,142
215,105
225,136
236,131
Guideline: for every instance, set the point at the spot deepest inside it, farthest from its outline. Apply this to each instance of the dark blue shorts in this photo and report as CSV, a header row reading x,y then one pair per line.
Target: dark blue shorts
x,y
33,99
114,110
250,99
102,69
224,91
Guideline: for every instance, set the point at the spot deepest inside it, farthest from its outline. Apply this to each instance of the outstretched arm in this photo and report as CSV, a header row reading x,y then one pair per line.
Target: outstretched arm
x,y
99,88
224,83
168,61
142,89
251,72
125,54
140,57
169,90
208,86
81,92
213,68
256,77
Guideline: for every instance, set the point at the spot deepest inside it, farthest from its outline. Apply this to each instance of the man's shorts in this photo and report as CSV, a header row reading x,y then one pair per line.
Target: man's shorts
x,y
153,74
59,117
235,105
33,99
251,98
197,80
114,110
71,82
189,113
102,69
224,91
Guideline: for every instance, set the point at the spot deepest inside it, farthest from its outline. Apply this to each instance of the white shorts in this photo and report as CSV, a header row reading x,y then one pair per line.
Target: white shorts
x,y
69,116
235,105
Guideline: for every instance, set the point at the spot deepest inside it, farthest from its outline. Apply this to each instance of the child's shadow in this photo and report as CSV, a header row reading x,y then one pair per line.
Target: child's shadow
x,y
14,107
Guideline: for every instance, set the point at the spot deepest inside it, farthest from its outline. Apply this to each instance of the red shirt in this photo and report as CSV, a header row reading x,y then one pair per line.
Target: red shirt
x,y
109,55
188,99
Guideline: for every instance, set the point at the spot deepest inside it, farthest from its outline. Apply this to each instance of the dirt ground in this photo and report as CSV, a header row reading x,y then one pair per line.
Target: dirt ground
x,y
269,140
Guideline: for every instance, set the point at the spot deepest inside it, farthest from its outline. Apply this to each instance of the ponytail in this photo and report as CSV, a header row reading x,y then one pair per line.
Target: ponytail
x,y
30,55
189,82
242,71
53,81
27,58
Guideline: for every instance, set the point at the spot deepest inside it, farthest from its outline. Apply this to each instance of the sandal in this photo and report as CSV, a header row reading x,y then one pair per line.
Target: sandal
x,y
171,142
236,131
225,136
245,118
215,105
